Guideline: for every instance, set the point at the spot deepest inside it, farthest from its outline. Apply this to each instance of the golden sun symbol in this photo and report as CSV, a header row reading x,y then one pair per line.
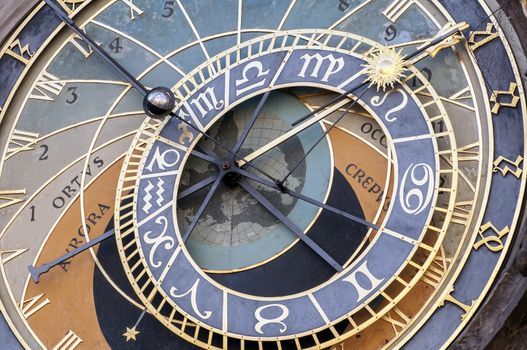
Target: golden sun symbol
x,y
385,68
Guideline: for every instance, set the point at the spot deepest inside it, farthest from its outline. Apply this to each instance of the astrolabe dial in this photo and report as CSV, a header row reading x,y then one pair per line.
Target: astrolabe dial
x,y
235,233
324,263
265,174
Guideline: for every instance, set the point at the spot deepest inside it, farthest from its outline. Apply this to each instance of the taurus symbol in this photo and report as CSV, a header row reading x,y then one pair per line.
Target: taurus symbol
x,y
186,134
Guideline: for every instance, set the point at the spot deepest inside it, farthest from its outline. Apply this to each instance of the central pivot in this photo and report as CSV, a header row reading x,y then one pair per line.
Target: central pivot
x,y
231,177
159,102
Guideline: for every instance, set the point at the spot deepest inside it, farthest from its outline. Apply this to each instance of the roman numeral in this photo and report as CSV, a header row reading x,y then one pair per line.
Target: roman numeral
x,y
397,9
435,273
84,48
499,102
21,141
133,9
459,304
48,87
19,52
8,255
31,306
399,320
11,197
501,164
468,153
461,212
70,5
69,342
459,96
492,242
480,38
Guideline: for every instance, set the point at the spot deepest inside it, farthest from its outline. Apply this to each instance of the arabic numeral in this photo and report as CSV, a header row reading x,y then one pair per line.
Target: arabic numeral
x,y
44,154
32,208
73,95
168,10
428,74
115,45
391,33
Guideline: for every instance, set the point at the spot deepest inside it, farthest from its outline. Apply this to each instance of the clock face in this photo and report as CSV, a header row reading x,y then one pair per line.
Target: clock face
x,y
246,174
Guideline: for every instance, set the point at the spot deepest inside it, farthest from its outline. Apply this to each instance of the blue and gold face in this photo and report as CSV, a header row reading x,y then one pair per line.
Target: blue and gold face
x,y
255,174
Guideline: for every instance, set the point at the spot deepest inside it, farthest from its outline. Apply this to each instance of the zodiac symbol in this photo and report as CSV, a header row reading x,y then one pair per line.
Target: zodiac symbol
x,y
156,242
264,321
259,73
376,101
422,201
193,291
185,133
148,196
160,160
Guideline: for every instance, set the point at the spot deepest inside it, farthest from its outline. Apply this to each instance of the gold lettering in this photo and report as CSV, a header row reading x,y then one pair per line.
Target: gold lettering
x,y
133,9
8,255
459,304
29,308
48,87
435,273
22,53
69,342
493,243
498,102
21,141
397,8
399,320
11,197
480,38
82,46
70,5
506,169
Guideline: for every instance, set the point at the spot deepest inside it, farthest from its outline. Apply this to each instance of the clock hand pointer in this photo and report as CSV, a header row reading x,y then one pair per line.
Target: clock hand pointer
x,y
100,51
202,207
296,130
281,182
158,102
36,272
249,125
290,225
196,187
307,199
432,47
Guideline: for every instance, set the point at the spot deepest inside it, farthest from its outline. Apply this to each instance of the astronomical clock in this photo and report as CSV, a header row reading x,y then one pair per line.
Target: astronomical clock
x,y
256,174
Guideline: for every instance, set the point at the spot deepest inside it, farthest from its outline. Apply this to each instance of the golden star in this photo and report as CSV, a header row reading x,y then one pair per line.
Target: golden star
x,y
131,334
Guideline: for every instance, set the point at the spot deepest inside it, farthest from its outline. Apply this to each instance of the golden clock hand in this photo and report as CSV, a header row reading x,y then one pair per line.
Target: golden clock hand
x,y
447,37
322,137
317,117
341,100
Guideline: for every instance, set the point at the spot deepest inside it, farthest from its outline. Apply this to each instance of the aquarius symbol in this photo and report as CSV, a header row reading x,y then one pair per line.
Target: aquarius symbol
x,y
148,197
